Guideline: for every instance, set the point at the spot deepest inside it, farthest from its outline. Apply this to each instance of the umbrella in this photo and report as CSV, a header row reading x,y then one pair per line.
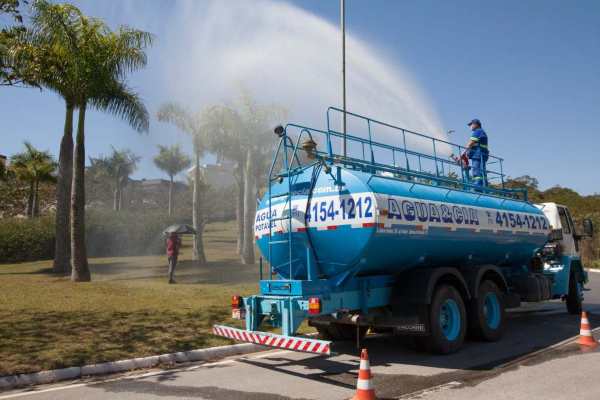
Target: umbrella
x,y
181,229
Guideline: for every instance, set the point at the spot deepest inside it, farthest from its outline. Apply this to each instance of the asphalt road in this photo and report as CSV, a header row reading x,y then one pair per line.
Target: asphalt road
x,y
399,370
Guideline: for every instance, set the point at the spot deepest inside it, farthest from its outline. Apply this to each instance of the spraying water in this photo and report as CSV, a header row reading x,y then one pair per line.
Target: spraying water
x,y
287,56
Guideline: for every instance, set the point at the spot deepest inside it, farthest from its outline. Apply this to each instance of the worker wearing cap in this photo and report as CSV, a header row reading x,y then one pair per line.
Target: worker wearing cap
x,y
478,153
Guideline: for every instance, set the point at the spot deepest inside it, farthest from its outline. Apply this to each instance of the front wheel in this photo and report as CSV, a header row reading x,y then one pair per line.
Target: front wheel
x,y
487,313
574,296
447,318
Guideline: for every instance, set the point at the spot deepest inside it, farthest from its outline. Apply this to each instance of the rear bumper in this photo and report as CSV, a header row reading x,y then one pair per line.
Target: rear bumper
x,y
302,344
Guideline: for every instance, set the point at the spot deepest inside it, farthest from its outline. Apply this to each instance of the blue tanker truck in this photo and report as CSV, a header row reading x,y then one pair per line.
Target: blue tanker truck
x,y
390,235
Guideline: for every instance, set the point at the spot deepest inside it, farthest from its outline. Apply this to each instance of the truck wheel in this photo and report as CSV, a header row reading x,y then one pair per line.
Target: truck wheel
x,y
487,315
447,321
574,296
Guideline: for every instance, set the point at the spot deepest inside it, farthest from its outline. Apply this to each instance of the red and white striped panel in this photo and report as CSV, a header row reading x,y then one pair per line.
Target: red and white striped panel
x,y
306,345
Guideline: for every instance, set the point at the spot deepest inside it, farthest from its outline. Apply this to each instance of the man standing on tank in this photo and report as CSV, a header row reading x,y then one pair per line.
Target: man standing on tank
x,y
477,151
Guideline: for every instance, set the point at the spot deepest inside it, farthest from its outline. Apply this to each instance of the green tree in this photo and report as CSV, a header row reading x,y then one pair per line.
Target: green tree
x,y
46,54
117,167
3,171
194,125
33,166
86,63
10,74
172,161
243,133
107,58
225,134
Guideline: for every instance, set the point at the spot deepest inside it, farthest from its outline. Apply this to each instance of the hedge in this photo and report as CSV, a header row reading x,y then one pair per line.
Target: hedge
x,y
108,233
26,240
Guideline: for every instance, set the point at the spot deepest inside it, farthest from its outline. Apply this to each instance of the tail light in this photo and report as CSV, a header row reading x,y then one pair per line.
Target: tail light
x,y
237,307
237,302
314,305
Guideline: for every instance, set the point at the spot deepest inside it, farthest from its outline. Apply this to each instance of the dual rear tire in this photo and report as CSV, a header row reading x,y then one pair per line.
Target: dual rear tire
x,y
448,318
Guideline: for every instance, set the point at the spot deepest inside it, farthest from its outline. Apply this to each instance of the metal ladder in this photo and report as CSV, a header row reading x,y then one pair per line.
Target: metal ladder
x,y
285,173
286,144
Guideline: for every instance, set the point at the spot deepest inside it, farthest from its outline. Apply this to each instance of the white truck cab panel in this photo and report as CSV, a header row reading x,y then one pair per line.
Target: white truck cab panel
x,y
560,218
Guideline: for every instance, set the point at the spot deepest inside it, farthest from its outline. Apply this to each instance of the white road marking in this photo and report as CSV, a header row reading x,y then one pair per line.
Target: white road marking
x,y
433,389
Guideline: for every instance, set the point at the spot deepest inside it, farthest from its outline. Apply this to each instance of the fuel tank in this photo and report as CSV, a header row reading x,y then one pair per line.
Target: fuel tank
x,y
348,222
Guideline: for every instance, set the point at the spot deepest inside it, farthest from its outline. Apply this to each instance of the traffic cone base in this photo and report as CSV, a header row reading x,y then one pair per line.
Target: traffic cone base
x,y
585,333
364,384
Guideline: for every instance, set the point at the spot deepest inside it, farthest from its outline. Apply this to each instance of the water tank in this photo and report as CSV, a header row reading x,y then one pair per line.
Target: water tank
x,y
352,222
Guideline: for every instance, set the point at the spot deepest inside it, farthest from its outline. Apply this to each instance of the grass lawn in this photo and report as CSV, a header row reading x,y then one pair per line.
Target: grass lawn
x,y
128,310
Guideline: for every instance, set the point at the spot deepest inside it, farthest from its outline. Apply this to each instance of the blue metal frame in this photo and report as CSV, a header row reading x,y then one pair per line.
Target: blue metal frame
x,y
372,165
284,303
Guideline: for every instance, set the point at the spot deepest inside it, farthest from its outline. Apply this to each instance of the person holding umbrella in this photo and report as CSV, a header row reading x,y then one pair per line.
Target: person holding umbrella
x,y
173,246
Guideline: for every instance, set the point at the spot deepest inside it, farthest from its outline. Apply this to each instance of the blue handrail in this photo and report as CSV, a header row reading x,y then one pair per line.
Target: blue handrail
x,y
437,176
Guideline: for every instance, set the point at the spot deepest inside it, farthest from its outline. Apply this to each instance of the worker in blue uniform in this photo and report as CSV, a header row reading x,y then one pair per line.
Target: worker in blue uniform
x,y
477,151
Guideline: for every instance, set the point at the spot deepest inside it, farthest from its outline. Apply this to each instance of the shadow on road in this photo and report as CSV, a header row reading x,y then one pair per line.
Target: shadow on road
x,y
527,331
398,367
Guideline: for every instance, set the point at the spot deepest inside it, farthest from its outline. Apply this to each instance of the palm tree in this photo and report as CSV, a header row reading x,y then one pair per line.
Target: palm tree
x,y
33,166
243,135
172,161
193,124
107,58
47,54
118,167
86,63
226,139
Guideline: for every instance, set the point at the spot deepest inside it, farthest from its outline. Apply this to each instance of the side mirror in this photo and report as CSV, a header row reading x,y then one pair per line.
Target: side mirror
x,y
555,235
588,227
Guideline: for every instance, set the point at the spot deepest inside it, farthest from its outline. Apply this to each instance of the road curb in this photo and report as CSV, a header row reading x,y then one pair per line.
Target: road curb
x,y
593,270
56,375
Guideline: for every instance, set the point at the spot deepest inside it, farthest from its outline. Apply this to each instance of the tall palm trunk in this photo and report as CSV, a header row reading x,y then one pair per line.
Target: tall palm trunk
x,y
249,209
81,271
121,197
197,217
171,195
30,200
62,246
36,199
239,209
116,196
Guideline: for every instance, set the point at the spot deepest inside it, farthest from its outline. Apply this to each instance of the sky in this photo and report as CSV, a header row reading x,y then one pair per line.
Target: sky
x,y
529,70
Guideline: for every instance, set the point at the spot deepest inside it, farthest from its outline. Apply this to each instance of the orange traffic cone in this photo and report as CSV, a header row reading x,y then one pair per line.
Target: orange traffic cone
x,y
585,333
364,384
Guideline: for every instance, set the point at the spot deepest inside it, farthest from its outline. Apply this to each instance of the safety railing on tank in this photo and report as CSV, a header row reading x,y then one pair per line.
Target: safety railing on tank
x,y
398,161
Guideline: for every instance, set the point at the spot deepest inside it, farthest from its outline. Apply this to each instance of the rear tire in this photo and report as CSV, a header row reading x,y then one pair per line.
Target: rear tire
x,y
487,316
573,297
447,321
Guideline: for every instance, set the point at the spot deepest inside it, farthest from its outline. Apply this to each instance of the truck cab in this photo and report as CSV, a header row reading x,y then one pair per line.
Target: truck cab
x,y
561,255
